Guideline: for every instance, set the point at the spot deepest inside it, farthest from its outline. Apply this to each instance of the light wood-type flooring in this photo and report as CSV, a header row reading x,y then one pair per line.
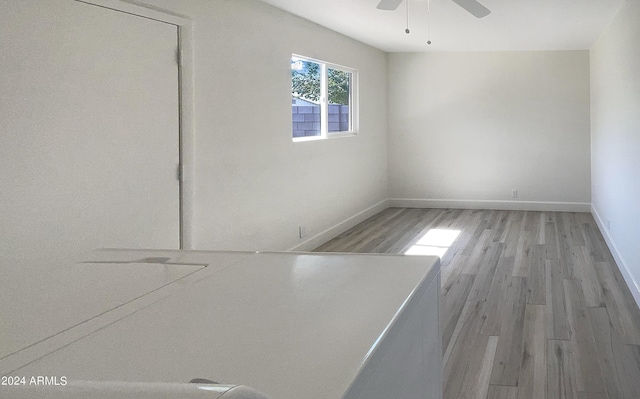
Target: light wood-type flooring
x,y
532,306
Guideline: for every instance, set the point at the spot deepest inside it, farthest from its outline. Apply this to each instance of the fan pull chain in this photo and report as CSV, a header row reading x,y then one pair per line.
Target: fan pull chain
x,y
428,22
407,30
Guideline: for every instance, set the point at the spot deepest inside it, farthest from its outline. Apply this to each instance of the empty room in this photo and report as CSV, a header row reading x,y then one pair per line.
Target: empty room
x,y
320,199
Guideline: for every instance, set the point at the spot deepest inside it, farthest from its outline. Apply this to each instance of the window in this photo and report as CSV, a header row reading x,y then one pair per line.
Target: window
x,y
323,99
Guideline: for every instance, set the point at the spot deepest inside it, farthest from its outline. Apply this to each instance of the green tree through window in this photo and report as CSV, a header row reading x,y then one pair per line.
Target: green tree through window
x,y
338,82
305,83
305,80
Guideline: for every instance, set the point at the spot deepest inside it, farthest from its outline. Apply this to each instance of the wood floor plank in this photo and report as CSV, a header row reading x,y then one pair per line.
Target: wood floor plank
x,y
627,359
517,216
623,288
406,224
564,226
466,225
505,232
565,246
552,244
366,242
449,218
463,363
499,226
477,255
473,241
347,240
532,222
454,296
484,278
536,283
586,273
482,388
576,231
556,311
424,223
452,270
470,312
507,363
587,367
594,241
470,381
561,381
532,380
521,267
491,215
591,395
513,236
502,392
624,322
603,334
496,301
374,240
542,229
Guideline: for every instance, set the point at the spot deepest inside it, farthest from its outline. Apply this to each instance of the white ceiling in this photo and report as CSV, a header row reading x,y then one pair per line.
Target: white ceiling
x,y
512,25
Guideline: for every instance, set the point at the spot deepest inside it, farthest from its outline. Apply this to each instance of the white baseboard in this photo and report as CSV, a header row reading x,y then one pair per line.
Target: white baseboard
x,y
622,265
498,205
319,239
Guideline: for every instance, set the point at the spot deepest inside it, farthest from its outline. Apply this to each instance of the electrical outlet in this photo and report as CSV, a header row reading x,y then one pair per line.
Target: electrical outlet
x,y
303,231
514,193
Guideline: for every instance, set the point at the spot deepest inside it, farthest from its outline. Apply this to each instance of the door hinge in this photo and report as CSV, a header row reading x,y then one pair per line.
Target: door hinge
x,y
179,172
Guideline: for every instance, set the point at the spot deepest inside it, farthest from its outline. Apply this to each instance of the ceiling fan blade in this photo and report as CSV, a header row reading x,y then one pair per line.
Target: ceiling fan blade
x,y
475,8
389,5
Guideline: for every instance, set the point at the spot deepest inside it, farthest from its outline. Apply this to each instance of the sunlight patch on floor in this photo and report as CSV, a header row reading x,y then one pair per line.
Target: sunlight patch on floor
x,y
434,242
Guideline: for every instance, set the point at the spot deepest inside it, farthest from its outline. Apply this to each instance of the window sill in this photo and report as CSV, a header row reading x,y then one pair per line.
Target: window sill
x,y
328,137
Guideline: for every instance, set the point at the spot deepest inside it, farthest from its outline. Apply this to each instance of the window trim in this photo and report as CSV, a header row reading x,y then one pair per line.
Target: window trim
x,y
324,103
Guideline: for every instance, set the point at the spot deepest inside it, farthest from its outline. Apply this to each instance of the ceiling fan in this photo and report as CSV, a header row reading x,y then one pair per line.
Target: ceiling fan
x,y
475,8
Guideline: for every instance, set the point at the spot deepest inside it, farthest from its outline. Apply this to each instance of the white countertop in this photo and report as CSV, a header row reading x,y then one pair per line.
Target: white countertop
x,y
39,298
291,325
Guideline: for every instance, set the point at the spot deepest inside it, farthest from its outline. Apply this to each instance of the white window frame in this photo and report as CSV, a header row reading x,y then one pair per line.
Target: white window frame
x,y
324,103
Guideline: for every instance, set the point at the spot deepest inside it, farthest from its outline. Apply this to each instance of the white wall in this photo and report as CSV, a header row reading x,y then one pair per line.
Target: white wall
x,y
466,128
254,186
615,135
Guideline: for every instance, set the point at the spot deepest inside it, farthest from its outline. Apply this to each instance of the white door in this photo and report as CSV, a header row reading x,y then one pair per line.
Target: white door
x,y
89,130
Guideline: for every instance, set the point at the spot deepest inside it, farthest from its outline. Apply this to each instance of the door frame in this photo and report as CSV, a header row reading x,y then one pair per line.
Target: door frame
x,y
186,169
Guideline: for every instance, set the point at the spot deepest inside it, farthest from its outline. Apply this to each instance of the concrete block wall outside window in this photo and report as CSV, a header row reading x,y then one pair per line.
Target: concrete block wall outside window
x,y
306,119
